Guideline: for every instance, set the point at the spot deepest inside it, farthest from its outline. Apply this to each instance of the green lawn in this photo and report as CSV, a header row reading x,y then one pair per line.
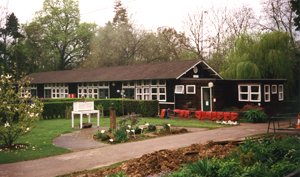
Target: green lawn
x,y
40,138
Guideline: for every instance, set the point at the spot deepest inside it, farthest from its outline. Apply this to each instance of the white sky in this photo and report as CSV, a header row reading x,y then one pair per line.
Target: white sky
x,y
148,14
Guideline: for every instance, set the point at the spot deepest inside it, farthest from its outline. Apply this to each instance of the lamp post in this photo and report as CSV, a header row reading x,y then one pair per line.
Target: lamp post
x,y
202,30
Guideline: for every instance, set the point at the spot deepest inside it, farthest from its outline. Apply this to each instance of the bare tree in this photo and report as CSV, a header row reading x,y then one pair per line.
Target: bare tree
x,y
210,30
195,32
278,16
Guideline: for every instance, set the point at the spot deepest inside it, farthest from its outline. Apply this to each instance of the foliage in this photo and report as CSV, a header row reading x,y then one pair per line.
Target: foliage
x,y
120,43
56,38
11,58
296,8
256,115
267,56
17,113
57,108
278,154
151,128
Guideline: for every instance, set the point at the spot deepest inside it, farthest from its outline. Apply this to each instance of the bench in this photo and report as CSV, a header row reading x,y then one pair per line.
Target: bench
x,y
291,117
84,108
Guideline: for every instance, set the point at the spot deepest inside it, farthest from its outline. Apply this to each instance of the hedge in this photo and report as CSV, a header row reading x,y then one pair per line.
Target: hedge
x,y
62,108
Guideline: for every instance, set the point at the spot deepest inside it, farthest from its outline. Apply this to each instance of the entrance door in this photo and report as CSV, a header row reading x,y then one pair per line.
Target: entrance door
x,y
206,99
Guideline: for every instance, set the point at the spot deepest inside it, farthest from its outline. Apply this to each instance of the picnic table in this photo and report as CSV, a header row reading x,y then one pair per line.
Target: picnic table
x,y
278,118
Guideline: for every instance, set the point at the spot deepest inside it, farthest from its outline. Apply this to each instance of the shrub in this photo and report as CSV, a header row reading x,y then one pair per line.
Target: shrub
x,y
120,135
56,108
102,135
17,114
151,128
255,115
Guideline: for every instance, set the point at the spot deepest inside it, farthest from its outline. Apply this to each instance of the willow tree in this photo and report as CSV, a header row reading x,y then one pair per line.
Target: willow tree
x,y
239,63
266,56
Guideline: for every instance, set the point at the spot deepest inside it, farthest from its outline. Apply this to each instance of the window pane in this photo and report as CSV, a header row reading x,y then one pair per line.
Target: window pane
x,y
254,88
254,97
162,97
154,90
154,97
244,96
162,90
244,88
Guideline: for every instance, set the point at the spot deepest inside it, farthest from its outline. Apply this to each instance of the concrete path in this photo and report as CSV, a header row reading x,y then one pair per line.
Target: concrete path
x,y
107,155
79,140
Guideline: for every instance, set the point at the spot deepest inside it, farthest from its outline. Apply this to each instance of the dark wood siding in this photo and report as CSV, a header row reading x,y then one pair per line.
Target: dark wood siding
x,y
73,87
40,90
113,89
170,86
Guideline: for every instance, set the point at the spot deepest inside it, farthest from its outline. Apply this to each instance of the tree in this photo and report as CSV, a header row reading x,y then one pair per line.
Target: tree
x,y
10,37
59,37
278,15
296,8
165,45
17,114
267,56
121,16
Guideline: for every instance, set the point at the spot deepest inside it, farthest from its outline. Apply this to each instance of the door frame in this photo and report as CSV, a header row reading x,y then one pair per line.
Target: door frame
x,y
210,97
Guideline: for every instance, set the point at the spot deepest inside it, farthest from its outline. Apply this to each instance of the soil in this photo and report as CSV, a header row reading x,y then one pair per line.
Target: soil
x,y
164,161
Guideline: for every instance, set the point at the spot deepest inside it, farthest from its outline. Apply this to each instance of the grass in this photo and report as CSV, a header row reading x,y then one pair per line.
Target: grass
x,y
41,137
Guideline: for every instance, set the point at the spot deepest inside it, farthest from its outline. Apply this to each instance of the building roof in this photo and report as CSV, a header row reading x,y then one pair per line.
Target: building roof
x,y
164,70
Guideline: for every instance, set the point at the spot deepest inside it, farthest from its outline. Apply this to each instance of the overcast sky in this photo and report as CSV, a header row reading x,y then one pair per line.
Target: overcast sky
x,y
148,14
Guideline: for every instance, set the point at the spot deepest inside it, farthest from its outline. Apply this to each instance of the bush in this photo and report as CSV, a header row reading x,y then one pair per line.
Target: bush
x,y
56,108
17,114
121,135
269,156
255,115
151,128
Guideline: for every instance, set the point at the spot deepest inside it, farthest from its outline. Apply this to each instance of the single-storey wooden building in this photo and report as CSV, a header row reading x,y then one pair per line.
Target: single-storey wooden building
x,y
176,85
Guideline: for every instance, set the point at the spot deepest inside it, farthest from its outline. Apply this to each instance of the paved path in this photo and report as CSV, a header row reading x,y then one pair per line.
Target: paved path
x,y
107,155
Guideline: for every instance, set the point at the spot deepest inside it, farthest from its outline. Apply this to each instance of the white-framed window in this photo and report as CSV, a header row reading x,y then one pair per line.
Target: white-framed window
x,y
249,93
190,89
280,92
179,89
267,93
149,90
274,89
93,90
29,91
56,90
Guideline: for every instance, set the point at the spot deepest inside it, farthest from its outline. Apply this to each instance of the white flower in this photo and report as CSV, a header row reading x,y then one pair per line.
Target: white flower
x,y
169,125
129,126
147,124
102,131
27,129
132,131
8,107
111,140
6,125
32,105
8,76
127,131
31,114
37,114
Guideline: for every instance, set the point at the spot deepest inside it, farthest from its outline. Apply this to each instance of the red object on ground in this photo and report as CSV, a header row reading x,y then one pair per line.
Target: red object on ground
x,y
226,116
220,115
162,113
198,114
234,116
213,116
203,114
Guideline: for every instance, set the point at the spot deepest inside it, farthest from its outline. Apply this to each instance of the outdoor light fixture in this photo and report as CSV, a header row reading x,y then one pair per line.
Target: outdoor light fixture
x,y
210,84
